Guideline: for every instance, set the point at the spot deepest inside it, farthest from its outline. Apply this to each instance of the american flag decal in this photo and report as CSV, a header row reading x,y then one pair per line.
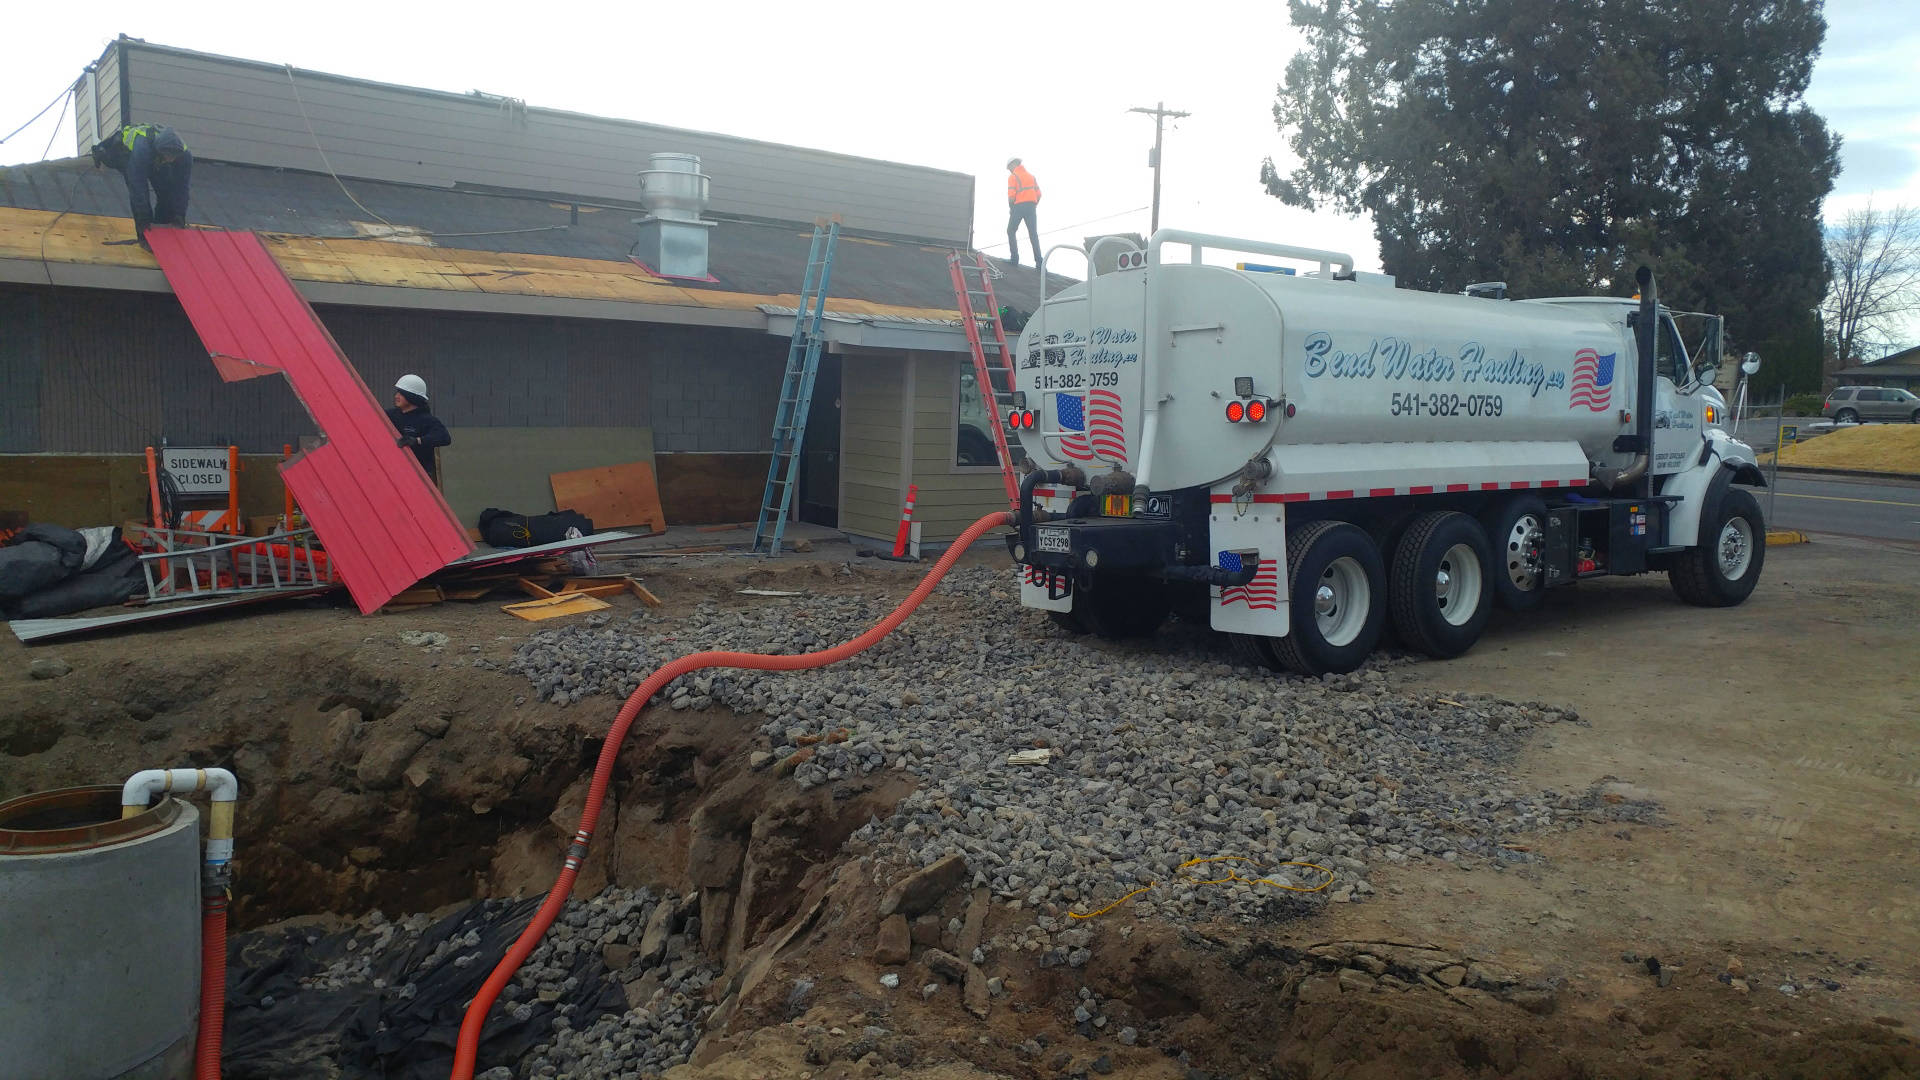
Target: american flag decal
x,y
1260,594
1592,384
1106,425
1071,414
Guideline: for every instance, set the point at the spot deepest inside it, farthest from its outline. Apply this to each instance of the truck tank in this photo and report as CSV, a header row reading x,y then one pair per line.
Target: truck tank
x,y
99,937
1343,362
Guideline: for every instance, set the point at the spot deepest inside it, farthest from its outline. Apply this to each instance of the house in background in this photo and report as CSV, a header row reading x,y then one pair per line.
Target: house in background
x,y
1900,370
492,248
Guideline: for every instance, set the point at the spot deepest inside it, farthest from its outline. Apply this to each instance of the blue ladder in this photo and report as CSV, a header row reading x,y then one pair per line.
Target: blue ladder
x,y
796,391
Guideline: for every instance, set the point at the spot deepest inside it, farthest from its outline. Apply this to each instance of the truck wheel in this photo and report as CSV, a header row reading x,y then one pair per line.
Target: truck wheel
x,y
1256,651
1338,592
1070,621
1515,529
1441,591
1123,607
1722,569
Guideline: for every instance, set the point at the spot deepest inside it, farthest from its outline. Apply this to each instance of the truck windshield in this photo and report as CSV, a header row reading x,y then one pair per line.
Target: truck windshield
x,y
1669,355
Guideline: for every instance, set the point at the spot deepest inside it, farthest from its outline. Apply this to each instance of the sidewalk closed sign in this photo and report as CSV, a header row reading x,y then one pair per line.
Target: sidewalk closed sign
x,y
197,470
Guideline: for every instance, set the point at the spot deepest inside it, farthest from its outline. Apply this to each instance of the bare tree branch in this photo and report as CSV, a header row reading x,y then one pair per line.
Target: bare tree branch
x,y
1875,258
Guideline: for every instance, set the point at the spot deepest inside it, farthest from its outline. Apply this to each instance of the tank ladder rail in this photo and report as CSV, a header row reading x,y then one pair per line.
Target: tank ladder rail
x,y
992,360
796,391
194,565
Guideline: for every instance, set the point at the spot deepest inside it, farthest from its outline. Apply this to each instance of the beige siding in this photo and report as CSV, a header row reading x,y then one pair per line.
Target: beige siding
x,y
248,112
871,487
950,498
96,103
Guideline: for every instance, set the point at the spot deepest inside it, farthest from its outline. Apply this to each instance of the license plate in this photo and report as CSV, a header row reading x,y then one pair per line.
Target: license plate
x,y
1054,540
1116,506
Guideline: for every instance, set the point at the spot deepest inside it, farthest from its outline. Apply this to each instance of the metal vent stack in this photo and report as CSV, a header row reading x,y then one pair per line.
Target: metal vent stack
x,y
673,239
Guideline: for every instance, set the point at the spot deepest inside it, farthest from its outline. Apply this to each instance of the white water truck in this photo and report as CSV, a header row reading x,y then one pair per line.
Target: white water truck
x,y
1307,457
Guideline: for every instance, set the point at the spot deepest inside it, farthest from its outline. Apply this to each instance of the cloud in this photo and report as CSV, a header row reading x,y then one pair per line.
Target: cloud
x,y
1872,165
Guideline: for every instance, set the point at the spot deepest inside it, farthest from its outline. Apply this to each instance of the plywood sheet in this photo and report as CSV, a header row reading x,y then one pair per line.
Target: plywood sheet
x,y
616,496
509,467
702,489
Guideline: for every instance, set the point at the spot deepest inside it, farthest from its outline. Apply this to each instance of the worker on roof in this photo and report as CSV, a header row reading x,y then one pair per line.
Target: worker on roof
x,y
150,156
420,430
1023,204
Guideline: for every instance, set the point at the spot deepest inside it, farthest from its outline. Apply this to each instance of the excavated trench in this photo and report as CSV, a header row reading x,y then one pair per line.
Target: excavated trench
x,y
382,778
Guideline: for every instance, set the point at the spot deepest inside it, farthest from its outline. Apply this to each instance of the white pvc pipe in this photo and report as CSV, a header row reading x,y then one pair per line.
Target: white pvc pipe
x,y
222,787
141,787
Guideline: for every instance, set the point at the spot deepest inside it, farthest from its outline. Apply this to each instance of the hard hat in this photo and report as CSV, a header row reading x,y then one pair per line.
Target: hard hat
x,y
412,384
1012,161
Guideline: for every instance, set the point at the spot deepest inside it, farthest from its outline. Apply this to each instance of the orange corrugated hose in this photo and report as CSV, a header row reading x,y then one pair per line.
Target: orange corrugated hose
x,y
468,1048
213,987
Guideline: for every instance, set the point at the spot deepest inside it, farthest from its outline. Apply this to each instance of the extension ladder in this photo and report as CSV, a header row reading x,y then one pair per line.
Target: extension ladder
x,y
992,360
796,391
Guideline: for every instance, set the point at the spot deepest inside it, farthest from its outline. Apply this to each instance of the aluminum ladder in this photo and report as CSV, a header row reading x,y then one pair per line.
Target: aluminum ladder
x,y
796,391
992,359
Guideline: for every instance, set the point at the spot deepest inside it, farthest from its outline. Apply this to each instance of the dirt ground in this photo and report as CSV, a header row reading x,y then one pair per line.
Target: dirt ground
x,y
1777,740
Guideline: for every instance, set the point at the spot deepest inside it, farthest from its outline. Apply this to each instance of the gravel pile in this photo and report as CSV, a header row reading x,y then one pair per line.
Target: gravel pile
x,y
1163,750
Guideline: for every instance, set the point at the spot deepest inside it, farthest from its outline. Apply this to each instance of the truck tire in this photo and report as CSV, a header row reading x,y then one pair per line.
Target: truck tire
x,y
1338,592
1722,569
1123,607
1255,651
1070,621
1515,528
1441,588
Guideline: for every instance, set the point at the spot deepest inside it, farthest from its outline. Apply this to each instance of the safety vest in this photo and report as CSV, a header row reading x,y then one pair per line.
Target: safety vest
x,y
166,141
1021,186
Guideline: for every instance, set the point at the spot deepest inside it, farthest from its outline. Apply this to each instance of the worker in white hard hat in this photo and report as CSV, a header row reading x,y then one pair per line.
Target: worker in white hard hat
x,y
419,430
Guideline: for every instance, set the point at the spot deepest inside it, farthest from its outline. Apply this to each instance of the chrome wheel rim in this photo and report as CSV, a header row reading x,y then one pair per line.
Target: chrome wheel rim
x,y
1735,548
1341,601
1523,553
1457,584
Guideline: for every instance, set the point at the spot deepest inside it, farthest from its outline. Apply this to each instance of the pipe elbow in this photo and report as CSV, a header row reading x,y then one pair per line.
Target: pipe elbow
x,y
220,785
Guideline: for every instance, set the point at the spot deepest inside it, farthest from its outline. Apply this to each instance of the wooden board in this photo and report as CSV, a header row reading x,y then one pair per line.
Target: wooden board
x,y
509,467
553,607
614,496
704,489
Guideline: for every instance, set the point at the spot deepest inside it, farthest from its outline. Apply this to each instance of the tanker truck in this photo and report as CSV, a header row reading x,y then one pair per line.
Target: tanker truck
x,y
1308,458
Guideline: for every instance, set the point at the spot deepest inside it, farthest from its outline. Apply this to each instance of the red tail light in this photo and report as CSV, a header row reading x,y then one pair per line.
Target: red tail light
x,y
1256,410
1236,412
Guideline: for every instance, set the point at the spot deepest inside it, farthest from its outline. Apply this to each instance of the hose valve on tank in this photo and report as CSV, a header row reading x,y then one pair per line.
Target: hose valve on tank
x,y
1253,476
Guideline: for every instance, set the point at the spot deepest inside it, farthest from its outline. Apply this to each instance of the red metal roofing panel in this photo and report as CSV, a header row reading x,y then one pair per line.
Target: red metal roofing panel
x,y
383,522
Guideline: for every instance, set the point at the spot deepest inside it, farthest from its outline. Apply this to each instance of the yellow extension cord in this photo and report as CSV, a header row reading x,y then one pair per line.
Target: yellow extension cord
x,y
1231,876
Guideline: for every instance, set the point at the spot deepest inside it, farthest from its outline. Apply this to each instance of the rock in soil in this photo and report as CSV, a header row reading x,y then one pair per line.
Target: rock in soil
x,y
894,945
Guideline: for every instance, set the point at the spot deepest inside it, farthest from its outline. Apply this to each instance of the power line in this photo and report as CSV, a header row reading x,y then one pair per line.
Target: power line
x,y
57,99
56,126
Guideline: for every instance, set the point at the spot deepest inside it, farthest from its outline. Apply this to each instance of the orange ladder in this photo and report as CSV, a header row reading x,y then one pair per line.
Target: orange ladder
x,y
992,360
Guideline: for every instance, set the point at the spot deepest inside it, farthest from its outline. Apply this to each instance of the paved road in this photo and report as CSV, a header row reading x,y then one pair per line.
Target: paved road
x,y
1881,509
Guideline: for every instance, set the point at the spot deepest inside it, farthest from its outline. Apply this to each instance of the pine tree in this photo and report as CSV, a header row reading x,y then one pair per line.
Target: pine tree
x,y
1558,145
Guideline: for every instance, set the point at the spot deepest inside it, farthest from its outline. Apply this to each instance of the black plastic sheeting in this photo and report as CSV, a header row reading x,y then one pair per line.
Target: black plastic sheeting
x,y
363,1031
49,570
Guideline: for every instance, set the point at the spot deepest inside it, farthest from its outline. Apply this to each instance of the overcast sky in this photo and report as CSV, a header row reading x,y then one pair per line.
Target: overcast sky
x,y
963,90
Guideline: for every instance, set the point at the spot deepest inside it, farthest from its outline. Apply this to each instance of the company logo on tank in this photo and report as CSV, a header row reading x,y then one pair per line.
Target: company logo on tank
x,y
1395,359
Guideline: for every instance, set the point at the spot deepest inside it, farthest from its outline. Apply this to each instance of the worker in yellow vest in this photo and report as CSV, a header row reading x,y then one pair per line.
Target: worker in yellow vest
x,y
1023,203
150,156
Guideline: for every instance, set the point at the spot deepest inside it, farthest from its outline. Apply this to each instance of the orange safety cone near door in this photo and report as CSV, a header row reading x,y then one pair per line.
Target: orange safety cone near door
x,y
906,522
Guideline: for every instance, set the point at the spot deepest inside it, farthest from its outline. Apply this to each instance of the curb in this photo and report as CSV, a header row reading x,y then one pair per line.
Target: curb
x,y
1779,537
1862,474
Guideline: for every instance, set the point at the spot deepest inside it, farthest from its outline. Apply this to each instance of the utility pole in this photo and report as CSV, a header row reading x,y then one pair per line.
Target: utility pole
x,y
1160,114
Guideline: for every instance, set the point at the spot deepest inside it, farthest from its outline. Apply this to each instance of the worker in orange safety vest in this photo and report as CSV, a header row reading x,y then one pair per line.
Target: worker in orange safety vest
x,y
1023,202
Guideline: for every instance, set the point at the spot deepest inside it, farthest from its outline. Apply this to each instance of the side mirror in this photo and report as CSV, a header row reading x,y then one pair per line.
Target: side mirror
x,y
1704,372
1750,363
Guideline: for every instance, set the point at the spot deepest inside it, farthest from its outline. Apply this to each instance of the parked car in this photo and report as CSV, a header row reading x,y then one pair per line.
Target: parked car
x,y
1853,404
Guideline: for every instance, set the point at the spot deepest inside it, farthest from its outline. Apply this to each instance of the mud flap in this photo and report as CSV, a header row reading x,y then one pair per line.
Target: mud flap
x,y
1260,532
1044,588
